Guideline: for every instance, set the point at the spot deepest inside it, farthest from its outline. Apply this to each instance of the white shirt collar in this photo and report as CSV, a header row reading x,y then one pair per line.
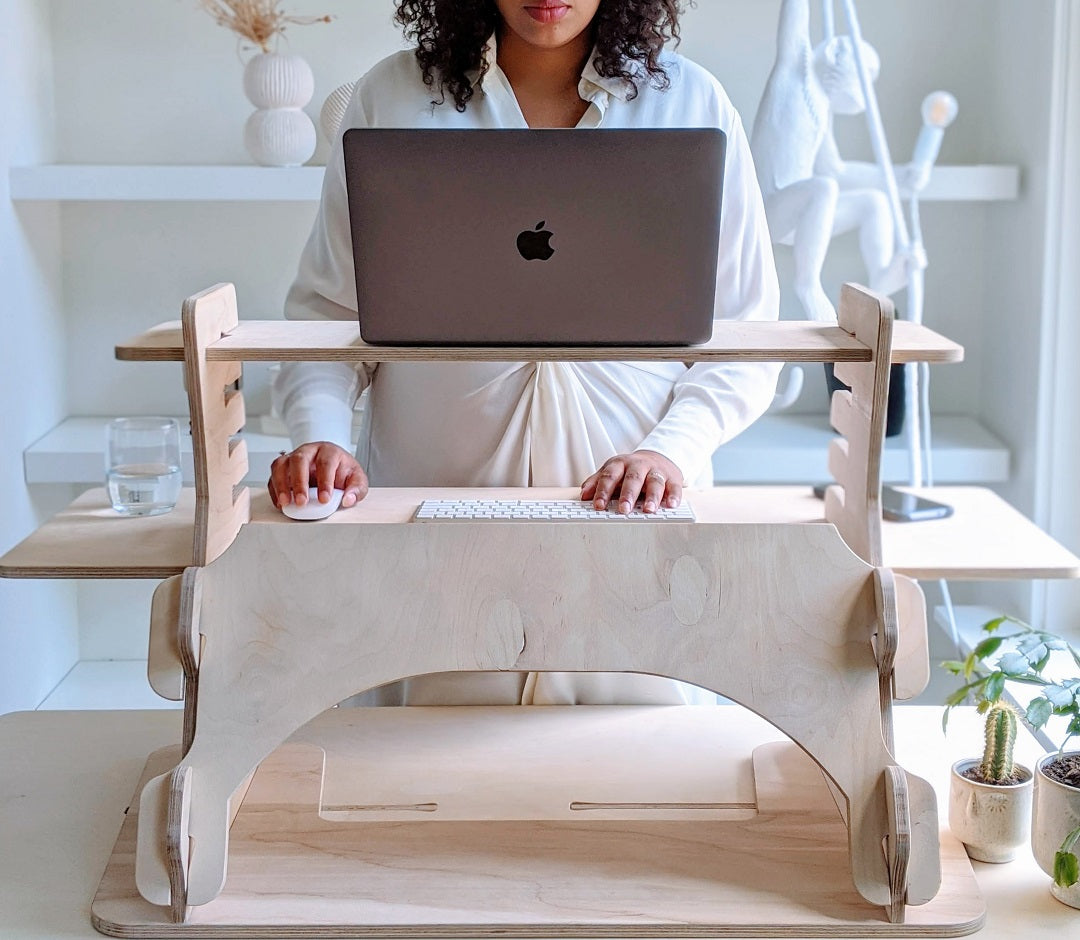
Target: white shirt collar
x,y
592,86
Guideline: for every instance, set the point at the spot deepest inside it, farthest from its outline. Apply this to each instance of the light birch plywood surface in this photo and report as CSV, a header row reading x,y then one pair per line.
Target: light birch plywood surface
x,y
514,765
985,538
217,418
858,413
481,856
784,341
655,599
90,539
66,779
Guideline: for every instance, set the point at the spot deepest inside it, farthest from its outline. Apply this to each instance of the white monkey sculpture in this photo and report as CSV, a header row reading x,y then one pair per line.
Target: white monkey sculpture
x,y
810,193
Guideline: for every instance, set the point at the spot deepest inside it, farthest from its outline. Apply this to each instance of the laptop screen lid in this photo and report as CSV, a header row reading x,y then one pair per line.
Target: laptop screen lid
x,y
535,237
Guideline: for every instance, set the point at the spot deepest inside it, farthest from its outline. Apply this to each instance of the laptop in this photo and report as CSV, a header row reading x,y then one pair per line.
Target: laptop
x,y
535,237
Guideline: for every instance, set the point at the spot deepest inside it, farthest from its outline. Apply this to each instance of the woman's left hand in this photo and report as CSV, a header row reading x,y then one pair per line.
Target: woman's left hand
x,y
625,477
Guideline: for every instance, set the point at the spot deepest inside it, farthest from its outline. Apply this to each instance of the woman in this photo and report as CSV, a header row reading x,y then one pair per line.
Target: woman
x,y
621,430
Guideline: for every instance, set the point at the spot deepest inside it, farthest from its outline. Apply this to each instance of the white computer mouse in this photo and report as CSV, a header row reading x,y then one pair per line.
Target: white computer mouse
x,y
313,509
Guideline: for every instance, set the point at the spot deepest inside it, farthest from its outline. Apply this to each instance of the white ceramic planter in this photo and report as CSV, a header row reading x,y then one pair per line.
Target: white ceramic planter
x,y
279,133
992,821
1055,814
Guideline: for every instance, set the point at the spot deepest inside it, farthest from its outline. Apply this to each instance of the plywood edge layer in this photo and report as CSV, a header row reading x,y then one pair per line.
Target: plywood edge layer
x,y
44,573
496,932
161,343
913,342
960,573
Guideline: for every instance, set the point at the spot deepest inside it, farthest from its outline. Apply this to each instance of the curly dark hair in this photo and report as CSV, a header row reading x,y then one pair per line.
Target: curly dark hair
x,y
450,37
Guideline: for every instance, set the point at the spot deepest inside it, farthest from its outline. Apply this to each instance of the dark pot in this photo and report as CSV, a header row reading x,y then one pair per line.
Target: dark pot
x,y
894,418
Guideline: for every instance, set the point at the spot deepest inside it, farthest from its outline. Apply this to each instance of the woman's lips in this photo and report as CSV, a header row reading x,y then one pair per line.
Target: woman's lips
x,y
548,13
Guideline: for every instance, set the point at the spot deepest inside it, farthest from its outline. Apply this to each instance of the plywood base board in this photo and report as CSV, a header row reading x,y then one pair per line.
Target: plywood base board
x,y
779,870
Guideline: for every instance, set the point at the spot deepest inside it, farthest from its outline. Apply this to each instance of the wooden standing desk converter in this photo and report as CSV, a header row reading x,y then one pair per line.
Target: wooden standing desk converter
x,y
270,623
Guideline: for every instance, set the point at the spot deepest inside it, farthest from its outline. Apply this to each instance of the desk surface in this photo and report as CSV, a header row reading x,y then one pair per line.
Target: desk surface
x,y
732,340
984,539
66,778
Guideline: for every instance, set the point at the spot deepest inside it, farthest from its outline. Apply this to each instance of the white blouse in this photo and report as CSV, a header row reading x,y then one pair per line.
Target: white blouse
x,y
527,423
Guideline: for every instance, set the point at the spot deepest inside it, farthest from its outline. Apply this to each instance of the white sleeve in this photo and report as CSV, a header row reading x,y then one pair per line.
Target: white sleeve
x,y
316,399
714,403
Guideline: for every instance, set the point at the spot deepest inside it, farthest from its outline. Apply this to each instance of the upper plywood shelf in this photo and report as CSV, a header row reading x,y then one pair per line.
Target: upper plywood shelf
x,y
316,340
71,182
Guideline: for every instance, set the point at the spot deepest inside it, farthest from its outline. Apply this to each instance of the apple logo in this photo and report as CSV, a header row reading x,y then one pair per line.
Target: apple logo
x,y
533,245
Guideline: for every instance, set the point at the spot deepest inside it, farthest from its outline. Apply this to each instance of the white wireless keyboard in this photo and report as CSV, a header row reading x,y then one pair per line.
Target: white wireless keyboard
x,y
539,510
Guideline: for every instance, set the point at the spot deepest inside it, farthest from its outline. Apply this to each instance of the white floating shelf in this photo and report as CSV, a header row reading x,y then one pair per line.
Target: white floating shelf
x,y
105,684
979,183
74,452
70,182
73,182
776,449
786,448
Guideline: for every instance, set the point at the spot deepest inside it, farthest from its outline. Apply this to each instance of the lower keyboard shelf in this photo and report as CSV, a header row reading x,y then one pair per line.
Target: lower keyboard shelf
x,y
985,538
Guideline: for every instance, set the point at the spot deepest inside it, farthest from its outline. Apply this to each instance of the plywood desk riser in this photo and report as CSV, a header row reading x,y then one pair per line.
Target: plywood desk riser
x,y
678,573
191,805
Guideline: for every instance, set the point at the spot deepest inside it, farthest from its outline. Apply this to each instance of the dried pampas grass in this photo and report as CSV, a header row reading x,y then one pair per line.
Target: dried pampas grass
x,y
257,21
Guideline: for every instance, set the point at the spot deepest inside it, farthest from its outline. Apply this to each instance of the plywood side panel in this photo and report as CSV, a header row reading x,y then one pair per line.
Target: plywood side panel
x,y
217,416
855,461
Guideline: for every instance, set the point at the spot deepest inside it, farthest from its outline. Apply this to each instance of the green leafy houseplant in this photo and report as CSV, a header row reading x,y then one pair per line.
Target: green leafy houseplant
x,y
1066,866
1022,655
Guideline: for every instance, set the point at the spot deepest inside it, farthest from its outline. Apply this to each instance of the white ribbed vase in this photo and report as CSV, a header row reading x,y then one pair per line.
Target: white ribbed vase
x,y
279,133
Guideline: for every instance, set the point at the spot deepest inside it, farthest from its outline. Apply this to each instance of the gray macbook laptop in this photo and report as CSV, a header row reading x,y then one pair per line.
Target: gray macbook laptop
x,y
535,237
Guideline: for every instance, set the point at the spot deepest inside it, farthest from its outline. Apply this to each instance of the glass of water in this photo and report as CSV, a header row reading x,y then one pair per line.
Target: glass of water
x,y
142,465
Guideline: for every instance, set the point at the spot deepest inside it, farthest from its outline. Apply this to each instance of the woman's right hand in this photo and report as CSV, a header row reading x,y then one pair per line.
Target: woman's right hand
x,y
320,464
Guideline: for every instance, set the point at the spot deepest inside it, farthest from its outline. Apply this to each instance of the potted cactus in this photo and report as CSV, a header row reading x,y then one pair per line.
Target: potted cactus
x,y
990,799
1024,656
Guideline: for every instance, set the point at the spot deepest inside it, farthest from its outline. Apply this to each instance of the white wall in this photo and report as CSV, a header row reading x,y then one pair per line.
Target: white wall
x,y
38,634
174,97
1018,127
159,82
1057,504
1015,246
952,43
155,81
